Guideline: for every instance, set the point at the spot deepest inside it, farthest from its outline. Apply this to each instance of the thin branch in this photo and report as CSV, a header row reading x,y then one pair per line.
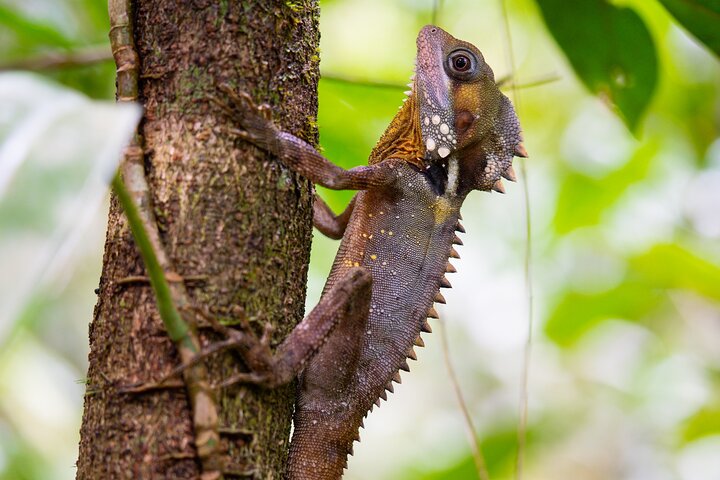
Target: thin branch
x,y
134,194
470,430
101,53
56,60
339,78
504,82
507,82
151,387
527,354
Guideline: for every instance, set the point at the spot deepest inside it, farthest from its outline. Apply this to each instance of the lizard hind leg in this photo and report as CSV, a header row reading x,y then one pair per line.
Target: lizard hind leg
x,y
346,302
327,417
341,314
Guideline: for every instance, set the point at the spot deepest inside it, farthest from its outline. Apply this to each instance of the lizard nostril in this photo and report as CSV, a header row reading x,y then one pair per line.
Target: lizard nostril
x,y
433,30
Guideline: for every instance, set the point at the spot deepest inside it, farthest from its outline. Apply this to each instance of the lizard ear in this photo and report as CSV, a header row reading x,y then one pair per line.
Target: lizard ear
x,y
490,159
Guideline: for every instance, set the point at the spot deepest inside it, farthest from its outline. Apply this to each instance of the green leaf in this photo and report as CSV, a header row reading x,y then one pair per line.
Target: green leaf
x,y
30,32
577,313
703,423
583,199
650,274
672,266
610,49
700,17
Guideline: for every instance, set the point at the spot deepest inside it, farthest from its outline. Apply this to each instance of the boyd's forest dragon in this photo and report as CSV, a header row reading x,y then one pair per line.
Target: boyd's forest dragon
x,y
456,132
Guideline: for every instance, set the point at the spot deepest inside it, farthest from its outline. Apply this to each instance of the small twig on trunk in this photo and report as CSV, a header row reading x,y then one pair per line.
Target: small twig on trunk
x,y
134,194
163,384
143,279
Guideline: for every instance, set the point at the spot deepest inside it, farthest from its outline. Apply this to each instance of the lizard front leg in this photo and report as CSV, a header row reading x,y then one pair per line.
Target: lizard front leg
x,y
297,154
331,225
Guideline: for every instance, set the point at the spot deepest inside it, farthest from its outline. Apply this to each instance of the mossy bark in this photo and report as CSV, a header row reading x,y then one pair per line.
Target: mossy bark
x,y
228,213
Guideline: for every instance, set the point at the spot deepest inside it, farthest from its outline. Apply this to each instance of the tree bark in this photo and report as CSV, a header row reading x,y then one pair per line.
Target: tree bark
x,y
227,213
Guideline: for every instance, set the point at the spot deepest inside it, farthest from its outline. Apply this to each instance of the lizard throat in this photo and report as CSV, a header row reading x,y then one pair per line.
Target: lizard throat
x,y
443,176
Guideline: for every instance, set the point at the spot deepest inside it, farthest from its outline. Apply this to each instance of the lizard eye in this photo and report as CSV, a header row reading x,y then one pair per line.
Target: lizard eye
x,y
461,64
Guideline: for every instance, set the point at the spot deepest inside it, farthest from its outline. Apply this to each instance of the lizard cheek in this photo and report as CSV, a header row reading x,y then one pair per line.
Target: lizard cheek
x,y
463,120
438,133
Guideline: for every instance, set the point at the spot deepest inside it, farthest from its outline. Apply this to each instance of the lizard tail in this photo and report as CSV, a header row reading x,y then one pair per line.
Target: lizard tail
x,y
320,445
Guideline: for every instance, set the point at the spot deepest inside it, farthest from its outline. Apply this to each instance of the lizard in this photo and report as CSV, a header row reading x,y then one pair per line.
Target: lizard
x,y
454,133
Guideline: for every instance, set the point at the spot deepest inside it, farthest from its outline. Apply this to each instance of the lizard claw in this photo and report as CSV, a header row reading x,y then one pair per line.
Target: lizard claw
x,y
242,100
244,134
268,330
265,111
222,105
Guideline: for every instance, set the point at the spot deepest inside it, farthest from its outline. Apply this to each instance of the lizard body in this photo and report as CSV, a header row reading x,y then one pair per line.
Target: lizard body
x,y
406,261
455,133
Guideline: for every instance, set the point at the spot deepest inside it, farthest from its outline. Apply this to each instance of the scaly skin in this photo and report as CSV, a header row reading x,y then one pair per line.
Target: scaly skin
x,y
405,249
455,133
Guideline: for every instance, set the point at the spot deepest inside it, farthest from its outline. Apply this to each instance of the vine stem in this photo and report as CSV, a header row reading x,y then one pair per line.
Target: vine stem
x,y
473,439
132,190
527,352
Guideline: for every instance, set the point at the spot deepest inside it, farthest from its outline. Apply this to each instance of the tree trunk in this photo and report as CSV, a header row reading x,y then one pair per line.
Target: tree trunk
x,y
230,217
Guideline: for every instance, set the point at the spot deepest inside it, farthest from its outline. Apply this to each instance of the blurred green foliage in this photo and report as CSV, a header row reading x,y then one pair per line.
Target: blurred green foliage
x,y
610,49
36,28
705,421
700,17
626,253
587,198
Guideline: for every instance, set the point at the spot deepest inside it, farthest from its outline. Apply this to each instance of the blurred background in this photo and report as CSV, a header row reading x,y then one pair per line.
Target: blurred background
x,y
624,377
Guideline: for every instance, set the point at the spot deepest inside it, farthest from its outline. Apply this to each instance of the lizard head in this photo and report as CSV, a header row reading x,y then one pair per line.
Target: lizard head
x,y
454,109
461,110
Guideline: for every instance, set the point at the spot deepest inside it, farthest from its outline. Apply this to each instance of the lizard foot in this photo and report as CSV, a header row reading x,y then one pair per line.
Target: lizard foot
x,y
255,120
168,381
245,342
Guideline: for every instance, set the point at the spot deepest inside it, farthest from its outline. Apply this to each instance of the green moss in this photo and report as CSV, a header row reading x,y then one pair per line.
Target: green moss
x,y
295,7
222,12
